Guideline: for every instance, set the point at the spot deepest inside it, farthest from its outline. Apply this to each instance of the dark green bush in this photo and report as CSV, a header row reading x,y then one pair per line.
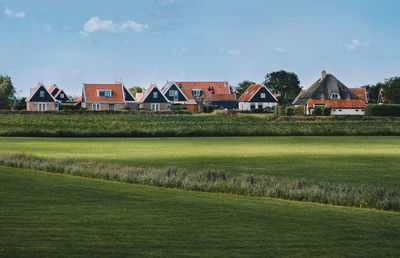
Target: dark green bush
x,y
327,111
317,111
382,110
290,111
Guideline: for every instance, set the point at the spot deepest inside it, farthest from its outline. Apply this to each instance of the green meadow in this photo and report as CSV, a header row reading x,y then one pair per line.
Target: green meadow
x,y
371,160
48,215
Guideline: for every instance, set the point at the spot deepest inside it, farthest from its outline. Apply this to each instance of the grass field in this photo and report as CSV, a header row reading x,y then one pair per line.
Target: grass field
x,y
372,160
48,215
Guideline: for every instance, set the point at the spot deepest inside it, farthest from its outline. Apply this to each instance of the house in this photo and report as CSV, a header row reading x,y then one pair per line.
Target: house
x,y
107,97
195,94
257,96
40,99
330,92
154,99
60,95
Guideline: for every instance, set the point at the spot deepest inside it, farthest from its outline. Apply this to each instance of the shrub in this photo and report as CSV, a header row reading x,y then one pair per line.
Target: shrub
x,y
382,110
317,111
301,110
327,111
290,111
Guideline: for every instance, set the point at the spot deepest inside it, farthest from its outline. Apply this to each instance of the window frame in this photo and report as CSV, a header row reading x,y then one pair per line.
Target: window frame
x,y
336,95
41,93
262,95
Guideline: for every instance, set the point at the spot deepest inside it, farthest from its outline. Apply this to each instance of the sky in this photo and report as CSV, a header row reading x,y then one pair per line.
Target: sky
x,y
71,42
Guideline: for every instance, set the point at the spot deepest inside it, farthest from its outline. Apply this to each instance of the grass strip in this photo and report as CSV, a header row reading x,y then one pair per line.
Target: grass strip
x,y
215,181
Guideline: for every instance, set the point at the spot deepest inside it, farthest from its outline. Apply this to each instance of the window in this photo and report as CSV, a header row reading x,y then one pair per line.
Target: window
x,y
356,110
347,95
260,106
196,92
321,95
104,93
155,95
42,94
335,96
262,95
155,106
171,93
110,106
95,106
41,106
62,95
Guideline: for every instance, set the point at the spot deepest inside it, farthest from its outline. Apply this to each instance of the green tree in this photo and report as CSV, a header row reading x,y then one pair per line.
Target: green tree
x,y
7,92
373,91
242,87
391,90
135,89
286,84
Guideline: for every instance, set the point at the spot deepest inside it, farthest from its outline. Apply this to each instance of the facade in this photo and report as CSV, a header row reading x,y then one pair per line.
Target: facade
x,y
330,92
154,99
257,96
115,96
40,99
195,94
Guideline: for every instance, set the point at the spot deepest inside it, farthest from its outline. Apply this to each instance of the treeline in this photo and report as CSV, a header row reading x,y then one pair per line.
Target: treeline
x,y
214,181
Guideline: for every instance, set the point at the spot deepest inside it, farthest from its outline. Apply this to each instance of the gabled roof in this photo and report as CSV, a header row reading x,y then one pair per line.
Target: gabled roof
x,y
169,85
33,92
139,96
251,92
207,88
149,90
324,87
361,92
91,95
78,99
53,88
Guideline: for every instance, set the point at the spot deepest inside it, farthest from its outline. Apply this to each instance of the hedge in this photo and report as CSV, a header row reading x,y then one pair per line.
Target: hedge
x,y
382,110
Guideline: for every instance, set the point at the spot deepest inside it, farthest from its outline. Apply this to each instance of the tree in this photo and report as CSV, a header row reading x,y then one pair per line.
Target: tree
x,y
373,91
135,89
7,92
391,90
286,84
242,87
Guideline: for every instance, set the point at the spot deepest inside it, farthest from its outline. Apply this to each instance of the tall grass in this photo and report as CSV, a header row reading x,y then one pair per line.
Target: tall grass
x,y
217,181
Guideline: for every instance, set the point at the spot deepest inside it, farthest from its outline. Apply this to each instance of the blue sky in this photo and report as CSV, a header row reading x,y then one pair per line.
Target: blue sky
x,y
151,41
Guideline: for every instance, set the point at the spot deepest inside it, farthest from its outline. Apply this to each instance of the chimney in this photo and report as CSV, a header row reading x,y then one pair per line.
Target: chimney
x,y
323,74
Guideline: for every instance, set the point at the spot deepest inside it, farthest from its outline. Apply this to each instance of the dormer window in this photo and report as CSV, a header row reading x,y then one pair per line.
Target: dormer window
x,y
104,93
196,92
262,95
347,95
41,94
321,95
335,96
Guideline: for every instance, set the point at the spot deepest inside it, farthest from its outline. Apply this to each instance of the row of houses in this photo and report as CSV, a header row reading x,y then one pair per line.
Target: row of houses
x,y
326,91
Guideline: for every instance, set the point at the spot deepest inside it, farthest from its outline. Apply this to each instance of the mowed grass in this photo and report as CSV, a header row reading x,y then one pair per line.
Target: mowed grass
x,y
372,160
47,215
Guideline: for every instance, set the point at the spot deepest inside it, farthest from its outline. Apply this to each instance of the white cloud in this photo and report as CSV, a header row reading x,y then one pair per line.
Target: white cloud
x,y
356,44
67,28
12,14
96,24
48,28
234,52
180,51
280,50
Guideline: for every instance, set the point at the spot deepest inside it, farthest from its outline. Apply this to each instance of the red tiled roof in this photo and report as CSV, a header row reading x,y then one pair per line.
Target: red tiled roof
x,y
139,96
52,88
249,93
58,92
215,97
117,93
219,88
361,92
78,99
338,103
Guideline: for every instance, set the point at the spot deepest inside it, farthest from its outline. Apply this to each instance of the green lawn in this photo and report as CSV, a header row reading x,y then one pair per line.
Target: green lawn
x,y
370,160
47,215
